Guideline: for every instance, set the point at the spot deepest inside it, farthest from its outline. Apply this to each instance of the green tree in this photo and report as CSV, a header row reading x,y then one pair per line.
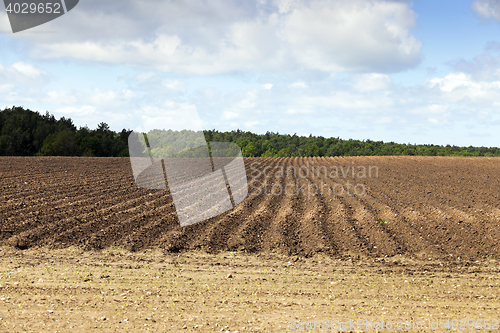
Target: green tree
x,y
60,144
249,151
269,153
285,152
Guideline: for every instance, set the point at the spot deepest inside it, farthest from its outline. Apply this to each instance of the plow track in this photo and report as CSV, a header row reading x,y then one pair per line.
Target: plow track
x,y
441,206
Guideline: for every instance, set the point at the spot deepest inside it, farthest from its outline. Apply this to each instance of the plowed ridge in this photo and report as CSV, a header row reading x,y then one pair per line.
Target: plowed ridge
x,y
379,206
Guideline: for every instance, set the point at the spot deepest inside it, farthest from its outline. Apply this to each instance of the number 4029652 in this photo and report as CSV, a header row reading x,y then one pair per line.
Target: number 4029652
x,y
471,324
33,8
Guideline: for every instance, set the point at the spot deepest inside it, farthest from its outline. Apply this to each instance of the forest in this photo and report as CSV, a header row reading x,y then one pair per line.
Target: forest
x,y
28,133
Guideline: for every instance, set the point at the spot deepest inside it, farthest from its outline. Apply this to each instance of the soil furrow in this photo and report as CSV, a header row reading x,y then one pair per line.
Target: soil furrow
x,y
437,206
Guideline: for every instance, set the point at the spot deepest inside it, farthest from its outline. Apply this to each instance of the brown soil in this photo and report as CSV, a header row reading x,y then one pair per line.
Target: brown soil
x,y
440,207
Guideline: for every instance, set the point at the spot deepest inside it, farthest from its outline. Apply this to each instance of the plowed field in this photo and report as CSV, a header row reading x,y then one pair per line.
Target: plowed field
x,y
445,207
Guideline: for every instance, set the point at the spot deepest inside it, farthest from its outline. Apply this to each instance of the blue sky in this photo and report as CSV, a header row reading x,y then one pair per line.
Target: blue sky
x,y
410,72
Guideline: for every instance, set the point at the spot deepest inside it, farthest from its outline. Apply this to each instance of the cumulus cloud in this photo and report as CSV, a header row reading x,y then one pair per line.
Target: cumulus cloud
x,y
485,67
60,97
20,83
153,82
224,36
108,97
433,113
355,35
458,86
487,9
372,82
105,98
329,107
184,117
86,110
298,84
21,73
27,69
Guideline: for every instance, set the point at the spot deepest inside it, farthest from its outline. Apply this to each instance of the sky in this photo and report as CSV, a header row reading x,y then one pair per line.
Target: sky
x,y
425,72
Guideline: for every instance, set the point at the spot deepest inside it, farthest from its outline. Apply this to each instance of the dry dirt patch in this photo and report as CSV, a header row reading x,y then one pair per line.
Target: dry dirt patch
x,y
114,290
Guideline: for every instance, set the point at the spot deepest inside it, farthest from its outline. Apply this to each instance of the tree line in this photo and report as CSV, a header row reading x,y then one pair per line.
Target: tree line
x,y
27,133
286,145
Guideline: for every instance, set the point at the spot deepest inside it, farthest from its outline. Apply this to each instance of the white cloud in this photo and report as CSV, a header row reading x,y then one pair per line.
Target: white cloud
x,y
169,106
384,120
4,88
185,117
152,82
84,111
372,82
328,107
168,53
248,100
27,69
298,84
104,98
451,81
487,9
228,115
253,124
267,86
432,109
60,97
20,83
285,6
353,35
294,111
459,86
110,98
224,36
174,86
484,67
22,73
346,100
